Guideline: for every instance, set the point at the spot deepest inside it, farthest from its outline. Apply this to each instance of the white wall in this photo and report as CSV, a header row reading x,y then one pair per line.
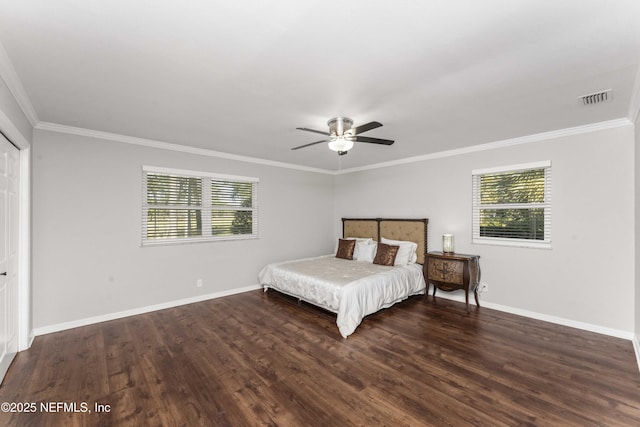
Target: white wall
x,y
87,258
587,277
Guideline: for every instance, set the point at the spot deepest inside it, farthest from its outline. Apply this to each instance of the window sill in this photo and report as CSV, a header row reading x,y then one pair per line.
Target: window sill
x,y
517,243
165,242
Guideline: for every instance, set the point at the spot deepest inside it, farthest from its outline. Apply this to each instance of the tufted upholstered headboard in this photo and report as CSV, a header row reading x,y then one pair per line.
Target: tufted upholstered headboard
x,y
412,230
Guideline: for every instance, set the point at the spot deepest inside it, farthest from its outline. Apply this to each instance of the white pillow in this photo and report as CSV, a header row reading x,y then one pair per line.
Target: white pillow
x,y
357,239
366,251
406,253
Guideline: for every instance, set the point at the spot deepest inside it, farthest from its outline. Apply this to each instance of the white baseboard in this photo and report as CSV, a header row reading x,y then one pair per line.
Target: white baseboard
x,y
636,347
545,317
460,298
557,320
141,310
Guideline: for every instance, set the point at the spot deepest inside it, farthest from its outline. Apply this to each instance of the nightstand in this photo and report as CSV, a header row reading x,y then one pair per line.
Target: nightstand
x,y
449,272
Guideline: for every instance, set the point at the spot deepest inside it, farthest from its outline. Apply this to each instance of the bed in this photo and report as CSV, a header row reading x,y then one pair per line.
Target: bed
x,y
351,284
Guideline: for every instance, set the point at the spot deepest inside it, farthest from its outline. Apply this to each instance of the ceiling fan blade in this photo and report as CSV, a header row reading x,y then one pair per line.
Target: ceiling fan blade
x,y
315,131
365,127
310,144
372,140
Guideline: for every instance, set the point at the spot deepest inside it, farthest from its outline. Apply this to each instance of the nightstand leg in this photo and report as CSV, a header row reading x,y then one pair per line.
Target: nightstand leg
x,y
466,298
476,264
467,283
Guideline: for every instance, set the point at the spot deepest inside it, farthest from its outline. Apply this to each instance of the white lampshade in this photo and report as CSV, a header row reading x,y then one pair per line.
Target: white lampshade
x,y
340,144
447,243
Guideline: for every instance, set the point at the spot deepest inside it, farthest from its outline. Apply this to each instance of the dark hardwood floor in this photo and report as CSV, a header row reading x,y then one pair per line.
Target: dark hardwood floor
x,y
261,359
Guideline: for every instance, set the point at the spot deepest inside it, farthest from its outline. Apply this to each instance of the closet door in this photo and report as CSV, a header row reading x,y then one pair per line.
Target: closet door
x,y
9,185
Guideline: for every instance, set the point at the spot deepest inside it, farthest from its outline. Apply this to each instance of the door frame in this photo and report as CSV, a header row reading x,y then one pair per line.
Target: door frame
x,y
25,324
25,327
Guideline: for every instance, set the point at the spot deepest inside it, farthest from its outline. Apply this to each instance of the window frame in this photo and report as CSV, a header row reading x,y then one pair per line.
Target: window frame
x,y
477,207
206,207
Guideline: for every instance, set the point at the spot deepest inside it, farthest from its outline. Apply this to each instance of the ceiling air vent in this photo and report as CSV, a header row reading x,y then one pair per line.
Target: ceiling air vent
x,y
596,98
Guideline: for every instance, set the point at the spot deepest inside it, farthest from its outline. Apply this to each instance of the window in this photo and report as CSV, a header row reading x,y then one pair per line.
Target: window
x,y
512,205
188,206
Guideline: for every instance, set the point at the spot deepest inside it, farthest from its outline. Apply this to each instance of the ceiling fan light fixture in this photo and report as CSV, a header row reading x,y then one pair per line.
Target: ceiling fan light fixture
x,y
340,144
342,135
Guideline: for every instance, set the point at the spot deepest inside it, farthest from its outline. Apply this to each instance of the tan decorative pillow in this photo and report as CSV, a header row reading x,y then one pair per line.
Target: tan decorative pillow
x,y
345,249
386,254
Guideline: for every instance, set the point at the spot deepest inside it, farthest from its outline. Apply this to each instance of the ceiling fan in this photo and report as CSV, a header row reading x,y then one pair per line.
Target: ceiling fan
x,y
342,135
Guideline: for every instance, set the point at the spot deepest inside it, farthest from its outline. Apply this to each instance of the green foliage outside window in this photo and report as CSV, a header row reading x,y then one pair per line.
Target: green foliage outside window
x,y
169,198
504,198
228,199
183,207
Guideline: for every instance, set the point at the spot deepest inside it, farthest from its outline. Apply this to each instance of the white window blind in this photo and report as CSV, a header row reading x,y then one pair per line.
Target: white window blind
x,y
188,206
512,205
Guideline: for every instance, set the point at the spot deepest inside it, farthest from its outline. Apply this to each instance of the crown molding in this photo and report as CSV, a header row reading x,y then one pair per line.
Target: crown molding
x,y
14,84
578,130
71,130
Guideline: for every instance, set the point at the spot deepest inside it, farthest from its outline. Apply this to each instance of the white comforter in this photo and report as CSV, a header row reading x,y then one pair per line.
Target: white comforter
x,y
352,289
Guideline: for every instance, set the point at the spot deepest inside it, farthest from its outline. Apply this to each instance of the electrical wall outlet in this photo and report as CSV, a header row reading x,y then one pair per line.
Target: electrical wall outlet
x,y
199,283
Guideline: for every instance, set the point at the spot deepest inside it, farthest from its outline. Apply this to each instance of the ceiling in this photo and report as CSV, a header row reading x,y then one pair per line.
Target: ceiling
x,y
239,77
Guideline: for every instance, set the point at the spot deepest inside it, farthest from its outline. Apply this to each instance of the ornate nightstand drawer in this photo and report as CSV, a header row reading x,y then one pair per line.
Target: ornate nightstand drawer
x,y
450,272
446,271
